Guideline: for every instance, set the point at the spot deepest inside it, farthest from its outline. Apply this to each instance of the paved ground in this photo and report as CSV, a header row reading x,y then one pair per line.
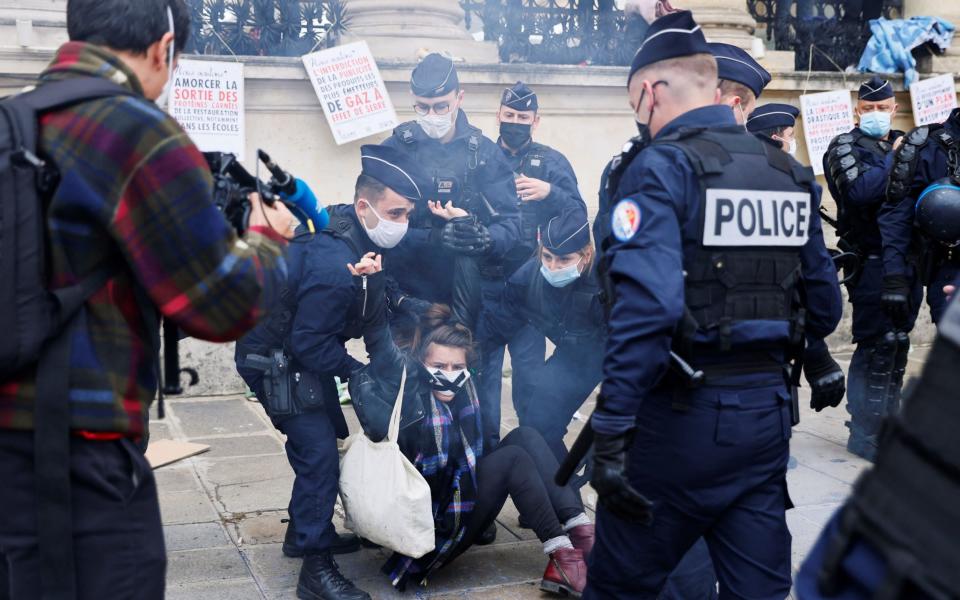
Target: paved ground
x,y
222,510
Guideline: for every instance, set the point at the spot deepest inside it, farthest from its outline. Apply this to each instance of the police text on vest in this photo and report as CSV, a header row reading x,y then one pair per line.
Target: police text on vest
x,y
756,218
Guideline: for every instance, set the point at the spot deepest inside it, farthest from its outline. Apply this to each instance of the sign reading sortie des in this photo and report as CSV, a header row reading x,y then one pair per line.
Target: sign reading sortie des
x,y
825,116
207,101
933,99
351,91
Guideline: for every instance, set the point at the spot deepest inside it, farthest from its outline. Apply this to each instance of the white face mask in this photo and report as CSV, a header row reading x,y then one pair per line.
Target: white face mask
x,y
164,96
792,147
386,234
437,126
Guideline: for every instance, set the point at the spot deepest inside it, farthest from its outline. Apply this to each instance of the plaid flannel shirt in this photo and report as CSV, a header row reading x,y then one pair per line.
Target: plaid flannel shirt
x,y
136,192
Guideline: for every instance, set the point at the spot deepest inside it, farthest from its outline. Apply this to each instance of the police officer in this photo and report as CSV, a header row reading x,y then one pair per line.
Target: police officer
x,y
927,155
856,166
742,79
470,171
777,123
290,360
711,215
546,186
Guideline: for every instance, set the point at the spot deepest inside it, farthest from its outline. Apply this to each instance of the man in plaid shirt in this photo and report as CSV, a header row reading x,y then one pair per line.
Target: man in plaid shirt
x,y
135,196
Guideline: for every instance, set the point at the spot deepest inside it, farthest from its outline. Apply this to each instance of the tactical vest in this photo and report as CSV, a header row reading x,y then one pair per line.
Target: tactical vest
x,y
844,167
580,319
755,208
463,171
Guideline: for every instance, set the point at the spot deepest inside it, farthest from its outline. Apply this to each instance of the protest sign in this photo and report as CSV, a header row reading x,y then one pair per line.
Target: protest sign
x,y
933,99
207,101
351,91
825,116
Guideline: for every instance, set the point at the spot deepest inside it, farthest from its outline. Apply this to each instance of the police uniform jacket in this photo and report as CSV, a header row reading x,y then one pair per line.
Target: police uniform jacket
x,y
327,303
570,315
555,170
862,198
895,216
422,269
648,270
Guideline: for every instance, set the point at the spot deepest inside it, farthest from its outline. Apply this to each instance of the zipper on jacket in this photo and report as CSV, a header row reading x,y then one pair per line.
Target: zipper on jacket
x,y
363,312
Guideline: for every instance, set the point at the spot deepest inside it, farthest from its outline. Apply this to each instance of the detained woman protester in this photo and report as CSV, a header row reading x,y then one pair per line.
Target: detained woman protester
x,y
557,292
441,434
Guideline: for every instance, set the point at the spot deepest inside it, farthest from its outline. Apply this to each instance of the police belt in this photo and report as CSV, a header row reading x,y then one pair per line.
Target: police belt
x,y
746,363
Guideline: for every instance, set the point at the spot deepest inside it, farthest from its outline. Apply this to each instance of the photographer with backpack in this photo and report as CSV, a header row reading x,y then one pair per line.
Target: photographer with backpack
x,y
107,223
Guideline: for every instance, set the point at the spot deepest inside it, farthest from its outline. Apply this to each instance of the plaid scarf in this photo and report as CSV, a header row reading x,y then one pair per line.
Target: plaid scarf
x,y
450,445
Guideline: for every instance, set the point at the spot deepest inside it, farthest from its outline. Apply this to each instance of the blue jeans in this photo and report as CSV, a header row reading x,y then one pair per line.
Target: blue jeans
x,y
312,452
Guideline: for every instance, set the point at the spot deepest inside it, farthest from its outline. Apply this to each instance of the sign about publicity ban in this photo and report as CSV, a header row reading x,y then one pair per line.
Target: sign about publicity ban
x,y
351,91
933,99
825,116
207,101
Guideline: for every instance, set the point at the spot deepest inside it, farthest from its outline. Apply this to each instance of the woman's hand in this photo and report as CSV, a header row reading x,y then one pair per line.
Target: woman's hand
x,y
445,212
370,263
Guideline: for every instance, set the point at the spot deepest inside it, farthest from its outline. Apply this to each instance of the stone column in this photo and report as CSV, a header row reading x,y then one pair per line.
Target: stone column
x,y
725,21
43,23
398,29
948,11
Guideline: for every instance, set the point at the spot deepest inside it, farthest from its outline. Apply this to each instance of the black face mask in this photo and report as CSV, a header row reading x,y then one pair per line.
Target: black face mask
x,y
643,131
515,135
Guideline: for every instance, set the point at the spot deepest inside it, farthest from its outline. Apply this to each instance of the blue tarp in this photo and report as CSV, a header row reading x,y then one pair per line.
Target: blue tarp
x,y
888,50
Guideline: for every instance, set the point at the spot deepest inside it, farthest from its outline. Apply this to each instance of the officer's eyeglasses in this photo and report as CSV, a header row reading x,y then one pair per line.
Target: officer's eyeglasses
x,y
440,108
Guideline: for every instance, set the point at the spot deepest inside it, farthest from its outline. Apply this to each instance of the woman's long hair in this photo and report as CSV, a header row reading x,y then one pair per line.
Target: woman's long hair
x,y
437,326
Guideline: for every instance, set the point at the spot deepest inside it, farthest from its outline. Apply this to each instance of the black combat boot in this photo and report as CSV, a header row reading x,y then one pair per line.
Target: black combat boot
x,y
320,579
344,544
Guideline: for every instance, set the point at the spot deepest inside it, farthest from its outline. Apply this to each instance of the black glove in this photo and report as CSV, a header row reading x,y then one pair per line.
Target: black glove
x,y
609,479
466,236
373,299
826,379
896,299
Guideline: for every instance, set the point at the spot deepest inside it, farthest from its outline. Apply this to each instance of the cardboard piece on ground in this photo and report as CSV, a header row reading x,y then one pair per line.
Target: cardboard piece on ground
x,y
164,452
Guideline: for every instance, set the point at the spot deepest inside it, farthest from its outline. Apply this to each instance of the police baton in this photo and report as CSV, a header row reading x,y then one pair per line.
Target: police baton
x,y
693,377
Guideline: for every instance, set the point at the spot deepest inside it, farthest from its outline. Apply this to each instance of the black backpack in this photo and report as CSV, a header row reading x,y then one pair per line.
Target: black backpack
x,y
36,321
33,315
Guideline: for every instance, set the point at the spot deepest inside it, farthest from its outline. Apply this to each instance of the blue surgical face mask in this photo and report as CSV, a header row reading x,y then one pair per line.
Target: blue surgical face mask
x,y
561,277
876,124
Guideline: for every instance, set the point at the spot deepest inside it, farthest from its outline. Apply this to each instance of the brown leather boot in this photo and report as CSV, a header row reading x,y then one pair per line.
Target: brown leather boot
x,y
581,537
566,573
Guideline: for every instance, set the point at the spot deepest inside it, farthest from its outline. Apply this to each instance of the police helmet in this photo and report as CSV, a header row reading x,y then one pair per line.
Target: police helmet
x,y
938,211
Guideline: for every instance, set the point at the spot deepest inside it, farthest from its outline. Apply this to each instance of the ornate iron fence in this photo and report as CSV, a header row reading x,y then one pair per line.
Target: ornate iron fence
x,y
558,31
265,27
827,35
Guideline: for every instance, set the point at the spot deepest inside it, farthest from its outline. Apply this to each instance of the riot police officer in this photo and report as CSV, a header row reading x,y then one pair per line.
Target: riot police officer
x,y
742,79
546,186
470,171
857,165
291,358
708,216
777,123
928,154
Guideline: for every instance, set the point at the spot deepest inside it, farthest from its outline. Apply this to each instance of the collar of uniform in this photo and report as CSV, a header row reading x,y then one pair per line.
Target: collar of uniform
x,y
80,59
715,115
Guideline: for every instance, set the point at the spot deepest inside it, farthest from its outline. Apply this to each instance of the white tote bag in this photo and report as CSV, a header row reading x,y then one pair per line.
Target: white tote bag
x,y
385,498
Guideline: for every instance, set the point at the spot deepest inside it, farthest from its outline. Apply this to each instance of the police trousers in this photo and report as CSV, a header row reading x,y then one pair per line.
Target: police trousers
x,y
717,471
118,545
312,451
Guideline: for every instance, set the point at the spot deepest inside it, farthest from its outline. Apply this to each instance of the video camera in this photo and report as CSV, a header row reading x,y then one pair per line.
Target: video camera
x,y
233,184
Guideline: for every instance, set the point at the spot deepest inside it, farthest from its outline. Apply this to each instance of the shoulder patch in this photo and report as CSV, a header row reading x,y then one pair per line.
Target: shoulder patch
x,y
625,221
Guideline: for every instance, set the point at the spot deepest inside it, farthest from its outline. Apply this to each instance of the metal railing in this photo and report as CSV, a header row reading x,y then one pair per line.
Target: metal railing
x,y
826,35
265,27
558,31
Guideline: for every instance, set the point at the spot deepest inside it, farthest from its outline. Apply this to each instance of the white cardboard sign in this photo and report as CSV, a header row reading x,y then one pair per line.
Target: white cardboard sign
x,y
207,100
933,99
351,91
825,116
